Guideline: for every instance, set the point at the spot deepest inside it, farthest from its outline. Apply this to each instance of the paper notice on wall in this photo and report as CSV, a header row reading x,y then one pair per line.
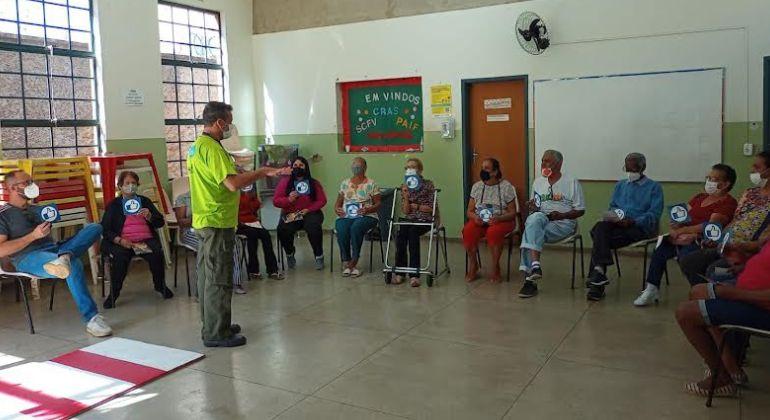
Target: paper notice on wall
x,y
498,117
441,99
134,97
497,103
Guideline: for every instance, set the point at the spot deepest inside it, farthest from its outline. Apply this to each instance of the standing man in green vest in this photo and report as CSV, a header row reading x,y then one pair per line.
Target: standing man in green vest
x,y
214,192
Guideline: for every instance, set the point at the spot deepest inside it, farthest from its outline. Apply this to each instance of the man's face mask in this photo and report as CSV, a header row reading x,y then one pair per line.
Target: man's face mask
x,y
227,130
357,169
30,191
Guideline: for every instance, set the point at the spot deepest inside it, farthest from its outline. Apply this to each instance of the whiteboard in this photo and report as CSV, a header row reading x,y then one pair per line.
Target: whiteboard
x,y
673,118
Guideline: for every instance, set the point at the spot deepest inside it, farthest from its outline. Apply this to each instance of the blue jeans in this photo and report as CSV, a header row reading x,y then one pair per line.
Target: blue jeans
x,y
660,257
350,235
32,262
538,231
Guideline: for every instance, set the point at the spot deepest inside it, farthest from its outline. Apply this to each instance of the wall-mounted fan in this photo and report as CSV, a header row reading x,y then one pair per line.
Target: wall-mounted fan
x,y
532,33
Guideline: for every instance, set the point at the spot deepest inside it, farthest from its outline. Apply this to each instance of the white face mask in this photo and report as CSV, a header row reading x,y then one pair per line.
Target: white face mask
x,y
129,188
32,191
226,134
634,176
411,171
711,187
757,180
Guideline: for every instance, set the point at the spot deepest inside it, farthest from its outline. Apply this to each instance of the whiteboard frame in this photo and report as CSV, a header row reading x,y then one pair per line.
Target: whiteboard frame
x,y
650,73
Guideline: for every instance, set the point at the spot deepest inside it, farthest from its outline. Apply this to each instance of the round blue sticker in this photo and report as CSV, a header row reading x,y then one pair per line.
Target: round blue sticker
x,y
485,214
412,182
302,187
678,213
49,213
713,232
131,206
537,200
351,210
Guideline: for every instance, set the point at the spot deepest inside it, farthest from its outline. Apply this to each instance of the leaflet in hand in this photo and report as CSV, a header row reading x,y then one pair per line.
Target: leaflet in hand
x,y
256,225
614,215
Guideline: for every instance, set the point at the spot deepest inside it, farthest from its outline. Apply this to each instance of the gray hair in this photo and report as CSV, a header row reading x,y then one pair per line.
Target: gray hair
x,y
555,154
639,159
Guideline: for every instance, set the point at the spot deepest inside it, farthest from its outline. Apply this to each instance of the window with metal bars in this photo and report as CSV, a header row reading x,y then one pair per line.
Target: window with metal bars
x,y
193,74
48,100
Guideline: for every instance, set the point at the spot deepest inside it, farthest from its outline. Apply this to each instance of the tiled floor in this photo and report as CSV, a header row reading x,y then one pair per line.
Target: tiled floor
x,y
324,347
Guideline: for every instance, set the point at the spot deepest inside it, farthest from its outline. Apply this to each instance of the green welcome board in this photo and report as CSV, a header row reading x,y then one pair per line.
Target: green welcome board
x,y
382,115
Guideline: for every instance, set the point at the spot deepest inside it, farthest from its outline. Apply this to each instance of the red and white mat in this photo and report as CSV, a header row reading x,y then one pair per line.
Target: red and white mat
x,y
77,381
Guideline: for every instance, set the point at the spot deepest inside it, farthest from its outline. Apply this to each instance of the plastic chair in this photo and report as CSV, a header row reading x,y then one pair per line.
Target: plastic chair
x,y
21,291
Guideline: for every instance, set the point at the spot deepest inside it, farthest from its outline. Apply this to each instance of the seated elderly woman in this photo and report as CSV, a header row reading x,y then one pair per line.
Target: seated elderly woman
x,y
417,207
129,233
748,229
357,204
491,213
715,205
301,199
746,304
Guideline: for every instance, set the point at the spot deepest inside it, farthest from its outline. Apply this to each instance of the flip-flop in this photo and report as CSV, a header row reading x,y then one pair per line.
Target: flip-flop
x,y
355,273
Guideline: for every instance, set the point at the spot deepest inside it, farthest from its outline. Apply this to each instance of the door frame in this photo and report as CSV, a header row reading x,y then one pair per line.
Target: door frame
x,y
467,155
766,103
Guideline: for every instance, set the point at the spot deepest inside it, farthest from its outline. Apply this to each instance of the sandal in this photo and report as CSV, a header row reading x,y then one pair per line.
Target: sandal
x,y
346,272
414,282
355,273
398,279
276,276
739,378
727,390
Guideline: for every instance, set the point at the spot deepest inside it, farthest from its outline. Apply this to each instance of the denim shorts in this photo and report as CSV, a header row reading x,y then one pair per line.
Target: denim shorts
x,y
721,312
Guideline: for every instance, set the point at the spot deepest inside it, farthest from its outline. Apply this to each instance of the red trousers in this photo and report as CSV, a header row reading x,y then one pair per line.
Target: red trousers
x,y
495,234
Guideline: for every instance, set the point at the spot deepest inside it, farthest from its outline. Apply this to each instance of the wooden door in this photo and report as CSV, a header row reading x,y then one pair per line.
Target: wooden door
x,y
496,115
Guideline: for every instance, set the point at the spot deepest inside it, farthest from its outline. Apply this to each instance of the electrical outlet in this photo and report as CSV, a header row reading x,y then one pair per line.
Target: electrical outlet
x,y
748,149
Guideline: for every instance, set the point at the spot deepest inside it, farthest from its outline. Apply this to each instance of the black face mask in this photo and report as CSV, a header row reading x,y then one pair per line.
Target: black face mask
x,y
299,172
485,175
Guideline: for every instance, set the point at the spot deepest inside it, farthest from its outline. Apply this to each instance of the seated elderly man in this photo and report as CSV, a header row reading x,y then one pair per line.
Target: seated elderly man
x,y
746,304
555,205
633,215
26,239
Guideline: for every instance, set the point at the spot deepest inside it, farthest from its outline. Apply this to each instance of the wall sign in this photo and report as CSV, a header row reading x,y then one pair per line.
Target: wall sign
x,y
382,115
497,103
498,117
134,97
441,99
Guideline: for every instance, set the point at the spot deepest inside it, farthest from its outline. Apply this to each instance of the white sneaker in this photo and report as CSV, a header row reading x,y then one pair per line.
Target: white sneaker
x,y
239,290
649,295
59,268
98,327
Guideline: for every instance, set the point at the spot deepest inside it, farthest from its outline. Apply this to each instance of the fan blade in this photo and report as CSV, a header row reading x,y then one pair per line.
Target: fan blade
x,y
527,35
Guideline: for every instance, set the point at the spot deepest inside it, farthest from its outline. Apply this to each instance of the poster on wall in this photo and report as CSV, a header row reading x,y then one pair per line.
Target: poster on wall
x,y
441,99
382,115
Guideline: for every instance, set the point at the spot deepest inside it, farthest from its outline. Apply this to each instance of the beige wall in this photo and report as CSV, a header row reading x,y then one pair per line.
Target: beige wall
x,y
287,15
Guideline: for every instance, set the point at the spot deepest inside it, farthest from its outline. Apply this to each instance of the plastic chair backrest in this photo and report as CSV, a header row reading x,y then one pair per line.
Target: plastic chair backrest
x,y
386,203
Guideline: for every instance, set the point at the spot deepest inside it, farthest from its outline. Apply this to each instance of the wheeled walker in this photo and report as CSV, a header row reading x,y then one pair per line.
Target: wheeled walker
x,y
436,233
